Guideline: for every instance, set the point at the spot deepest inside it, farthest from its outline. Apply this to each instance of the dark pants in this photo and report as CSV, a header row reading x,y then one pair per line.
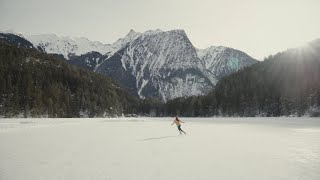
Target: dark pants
x,y
180,130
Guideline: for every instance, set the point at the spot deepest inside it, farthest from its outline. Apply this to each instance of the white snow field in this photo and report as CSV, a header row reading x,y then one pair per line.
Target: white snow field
x,y
152,149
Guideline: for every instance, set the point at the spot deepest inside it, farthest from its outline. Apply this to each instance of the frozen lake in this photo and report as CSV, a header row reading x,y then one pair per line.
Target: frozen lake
x,y
152,149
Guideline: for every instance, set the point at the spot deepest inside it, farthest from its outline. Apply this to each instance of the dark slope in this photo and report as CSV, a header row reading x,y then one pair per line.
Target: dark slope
x,y
36,84
283,85
15,40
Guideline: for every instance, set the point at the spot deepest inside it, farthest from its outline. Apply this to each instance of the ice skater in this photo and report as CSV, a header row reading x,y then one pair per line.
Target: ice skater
x,y
178,122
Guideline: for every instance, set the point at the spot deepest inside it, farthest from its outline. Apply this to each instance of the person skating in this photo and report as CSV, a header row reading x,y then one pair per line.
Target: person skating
x,y
178,122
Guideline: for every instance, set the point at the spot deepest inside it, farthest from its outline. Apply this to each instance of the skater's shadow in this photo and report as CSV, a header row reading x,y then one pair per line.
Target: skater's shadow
x,y
157,138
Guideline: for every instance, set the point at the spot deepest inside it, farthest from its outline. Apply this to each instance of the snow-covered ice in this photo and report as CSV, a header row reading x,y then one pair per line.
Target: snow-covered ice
x,y
152,149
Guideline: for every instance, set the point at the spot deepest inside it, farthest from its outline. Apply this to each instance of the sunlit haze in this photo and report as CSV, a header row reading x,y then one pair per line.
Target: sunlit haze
x,y
257,27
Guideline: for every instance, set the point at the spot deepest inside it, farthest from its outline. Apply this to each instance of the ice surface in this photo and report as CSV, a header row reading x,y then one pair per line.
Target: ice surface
x,y
152,149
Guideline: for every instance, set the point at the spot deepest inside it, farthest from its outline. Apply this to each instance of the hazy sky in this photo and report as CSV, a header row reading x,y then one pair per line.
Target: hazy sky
x,y
256,27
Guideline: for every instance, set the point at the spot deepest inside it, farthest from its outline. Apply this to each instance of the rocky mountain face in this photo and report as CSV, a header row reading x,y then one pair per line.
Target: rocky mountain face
x,y
161,64
222,61
166,65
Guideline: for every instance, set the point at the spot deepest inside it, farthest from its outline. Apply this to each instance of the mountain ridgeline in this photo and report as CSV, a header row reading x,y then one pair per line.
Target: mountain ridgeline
x,y
286,84
169,75
154,64
33,84
16,40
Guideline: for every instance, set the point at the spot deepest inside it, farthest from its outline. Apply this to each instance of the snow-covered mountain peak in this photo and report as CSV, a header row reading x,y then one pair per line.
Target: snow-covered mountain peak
x,y
132,35
51,43
222,60
160,64
210,52
164,49
158,31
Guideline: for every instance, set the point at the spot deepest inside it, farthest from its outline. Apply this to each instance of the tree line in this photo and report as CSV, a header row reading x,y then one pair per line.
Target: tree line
x,y
33,84
286,84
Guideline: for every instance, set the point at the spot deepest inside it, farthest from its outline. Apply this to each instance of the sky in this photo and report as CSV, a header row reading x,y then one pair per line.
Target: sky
x,y
257,27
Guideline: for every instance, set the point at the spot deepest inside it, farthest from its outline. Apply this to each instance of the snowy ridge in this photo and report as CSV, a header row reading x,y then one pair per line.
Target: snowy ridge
x,y
222,61
54,44
75,46
211,55
132,35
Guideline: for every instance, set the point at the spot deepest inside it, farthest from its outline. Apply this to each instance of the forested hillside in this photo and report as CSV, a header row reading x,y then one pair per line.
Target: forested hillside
x,y
33,84
286,84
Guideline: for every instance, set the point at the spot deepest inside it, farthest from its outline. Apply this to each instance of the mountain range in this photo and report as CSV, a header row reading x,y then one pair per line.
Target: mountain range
x,y
284,84
154,64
